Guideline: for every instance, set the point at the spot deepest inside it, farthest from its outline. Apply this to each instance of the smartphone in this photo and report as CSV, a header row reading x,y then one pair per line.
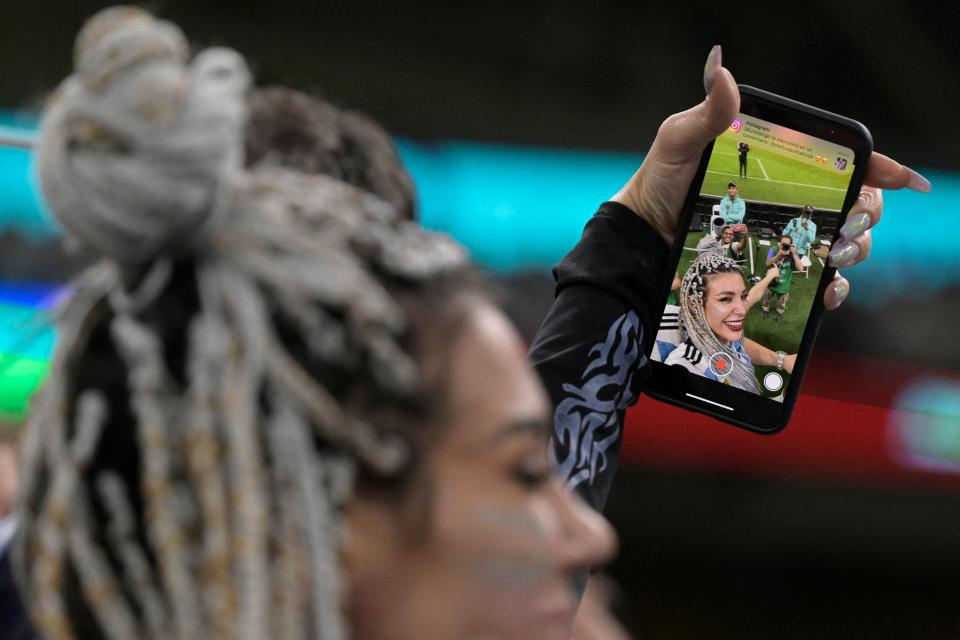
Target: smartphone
x,y
749,269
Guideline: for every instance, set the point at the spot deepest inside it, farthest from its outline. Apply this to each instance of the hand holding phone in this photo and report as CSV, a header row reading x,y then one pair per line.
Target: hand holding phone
x,y
657,191
710,369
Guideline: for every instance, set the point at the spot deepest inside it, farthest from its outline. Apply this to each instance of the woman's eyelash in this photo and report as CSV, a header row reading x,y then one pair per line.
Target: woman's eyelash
x,y
531,477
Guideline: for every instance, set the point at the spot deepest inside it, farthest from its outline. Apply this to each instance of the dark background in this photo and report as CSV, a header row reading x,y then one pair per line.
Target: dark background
x,y
586,74
703,555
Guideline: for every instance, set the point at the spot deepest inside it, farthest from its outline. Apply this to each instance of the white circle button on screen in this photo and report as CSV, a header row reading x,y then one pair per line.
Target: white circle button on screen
x,y
773,381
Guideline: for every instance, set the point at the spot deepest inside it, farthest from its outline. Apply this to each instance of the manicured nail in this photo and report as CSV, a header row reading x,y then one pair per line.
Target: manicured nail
x,y
917,181
855,225
844,254
840,291
714,62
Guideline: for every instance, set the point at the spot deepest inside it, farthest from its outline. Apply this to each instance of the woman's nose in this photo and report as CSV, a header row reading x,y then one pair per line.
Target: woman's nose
x,y
586,538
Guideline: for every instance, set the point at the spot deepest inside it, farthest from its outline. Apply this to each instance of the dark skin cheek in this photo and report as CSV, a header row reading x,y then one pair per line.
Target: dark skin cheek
x,y
521,557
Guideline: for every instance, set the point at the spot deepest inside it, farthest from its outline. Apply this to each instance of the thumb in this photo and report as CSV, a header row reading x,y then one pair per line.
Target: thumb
x,y
683,136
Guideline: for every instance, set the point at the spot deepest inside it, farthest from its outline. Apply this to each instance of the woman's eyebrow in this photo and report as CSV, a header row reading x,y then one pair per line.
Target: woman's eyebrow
x,y
537,426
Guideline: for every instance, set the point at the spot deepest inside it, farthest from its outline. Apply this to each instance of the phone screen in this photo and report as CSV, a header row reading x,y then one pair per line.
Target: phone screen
x,y
747,278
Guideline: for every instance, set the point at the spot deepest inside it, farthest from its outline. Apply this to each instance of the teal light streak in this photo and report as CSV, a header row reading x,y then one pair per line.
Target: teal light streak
x,y
521,208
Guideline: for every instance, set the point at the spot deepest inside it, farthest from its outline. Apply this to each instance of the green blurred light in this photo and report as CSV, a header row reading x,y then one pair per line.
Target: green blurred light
x,y
20,377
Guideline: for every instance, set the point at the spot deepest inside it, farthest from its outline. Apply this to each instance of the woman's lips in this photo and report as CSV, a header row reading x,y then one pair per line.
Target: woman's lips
x,y
734,326
558,608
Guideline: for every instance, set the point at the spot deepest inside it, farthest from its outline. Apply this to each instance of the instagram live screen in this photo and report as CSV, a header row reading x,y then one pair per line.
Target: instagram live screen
x,y
753,255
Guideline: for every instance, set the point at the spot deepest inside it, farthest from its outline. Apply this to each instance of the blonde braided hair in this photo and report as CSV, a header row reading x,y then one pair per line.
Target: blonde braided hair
x,y
203,422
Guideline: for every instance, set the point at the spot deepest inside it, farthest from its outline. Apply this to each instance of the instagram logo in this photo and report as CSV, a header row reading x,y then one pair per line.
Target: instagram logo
x,y
735,125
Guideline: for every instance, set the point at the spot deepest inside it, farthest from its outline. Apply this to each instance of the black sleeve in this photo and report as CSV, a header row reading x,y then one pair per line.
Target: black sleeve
x,y
591,350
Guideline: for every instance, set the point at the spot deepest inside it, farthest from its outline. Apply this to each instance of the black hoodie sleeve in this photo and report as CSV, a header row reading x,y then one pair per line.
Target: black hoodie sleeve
x,y
590,349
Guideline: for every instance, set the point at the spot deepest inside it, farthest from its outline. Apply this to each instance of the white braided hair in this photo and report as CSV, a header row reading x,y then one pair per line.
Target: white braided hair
x,y
693,289
241,456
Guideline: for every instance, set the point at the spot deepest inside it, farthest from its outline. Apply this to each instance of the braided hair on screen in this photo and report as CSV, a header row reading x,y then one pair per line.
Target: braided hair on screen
x,y
693,318
247,352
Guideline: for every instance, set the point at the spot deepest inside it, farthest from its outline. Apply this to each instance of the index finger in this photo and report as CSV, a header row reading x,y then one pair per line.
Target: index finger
x,y
887,173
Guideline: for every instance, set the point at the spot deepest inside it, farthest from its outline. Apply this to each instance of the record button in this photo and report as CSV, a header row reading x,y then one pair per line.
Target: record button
x,y
721,364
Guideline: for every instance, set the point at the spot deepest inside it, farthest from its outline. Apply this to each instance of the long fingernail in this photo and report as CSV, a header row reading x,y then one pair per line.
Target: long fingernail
x,y
840,291
917,181
855,225
714,62
844,254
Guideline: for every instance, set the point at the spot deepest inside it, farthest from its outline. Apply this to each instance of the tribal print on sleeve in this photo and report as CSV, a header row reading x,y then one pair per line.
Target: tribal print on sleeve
x,y
587,421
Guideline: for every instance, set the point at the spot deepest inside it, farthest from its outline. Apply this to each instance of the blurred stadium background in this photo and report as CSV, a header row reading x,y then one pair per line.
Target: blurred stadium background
x,y
518,118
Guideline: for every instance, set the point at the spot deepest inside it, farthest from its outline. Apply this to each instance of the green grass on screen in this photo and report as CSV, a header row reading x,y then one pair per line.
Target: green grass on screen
x,y
774,178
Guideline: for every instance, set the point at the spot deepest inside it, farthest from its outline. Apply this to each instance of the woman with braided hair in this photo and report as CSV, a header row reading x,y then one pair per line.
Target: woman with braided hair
x,y
713,304
277,409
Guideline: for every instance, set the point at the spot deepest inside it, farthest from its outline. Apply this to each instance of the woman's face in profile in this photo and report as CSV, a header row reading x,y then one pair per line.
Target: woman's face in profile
x,y
502,537
725,305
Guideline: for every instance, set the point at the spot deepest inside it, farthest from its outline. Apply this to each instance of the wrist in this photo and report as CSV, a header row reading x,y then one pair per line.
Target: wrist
x,y
663,227
781,356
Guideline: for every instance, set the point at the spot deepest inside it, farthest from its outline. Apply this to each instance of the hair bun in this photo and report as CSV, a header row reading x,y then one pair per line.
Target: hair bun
x,y
120,37
140,147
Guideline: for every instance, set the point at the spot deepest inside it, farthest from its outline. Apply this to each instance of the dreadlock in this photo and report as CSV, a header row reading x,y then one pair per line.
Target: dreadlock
x,y
247,353
291,129
693,291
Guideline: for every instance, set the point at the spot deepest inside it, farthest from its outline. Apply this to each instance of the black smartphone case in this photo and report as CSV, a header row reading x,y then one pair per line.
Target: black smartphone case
x,y
756,413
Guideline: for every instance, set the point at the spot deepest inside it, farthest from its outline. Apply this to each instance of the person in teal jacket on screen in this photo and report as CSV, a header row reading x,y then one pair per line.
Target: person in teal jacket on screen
x,y
732,207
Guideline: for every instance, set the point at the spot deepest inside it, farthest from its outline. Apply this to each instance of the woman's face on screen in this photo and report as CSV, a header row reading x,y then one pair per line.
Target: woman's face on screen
x,y
501,538
725,305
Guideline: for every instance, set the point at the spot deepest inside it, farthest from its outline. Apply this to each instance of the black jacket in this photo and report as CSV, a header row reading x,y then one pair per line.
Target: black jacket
x,y
590,350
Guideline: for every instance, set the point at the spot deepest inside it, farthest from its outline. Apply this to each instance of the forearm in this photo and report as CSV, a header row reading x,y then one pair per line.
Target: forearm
x,y
759,354
756,292
593,342
764,357
629,197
